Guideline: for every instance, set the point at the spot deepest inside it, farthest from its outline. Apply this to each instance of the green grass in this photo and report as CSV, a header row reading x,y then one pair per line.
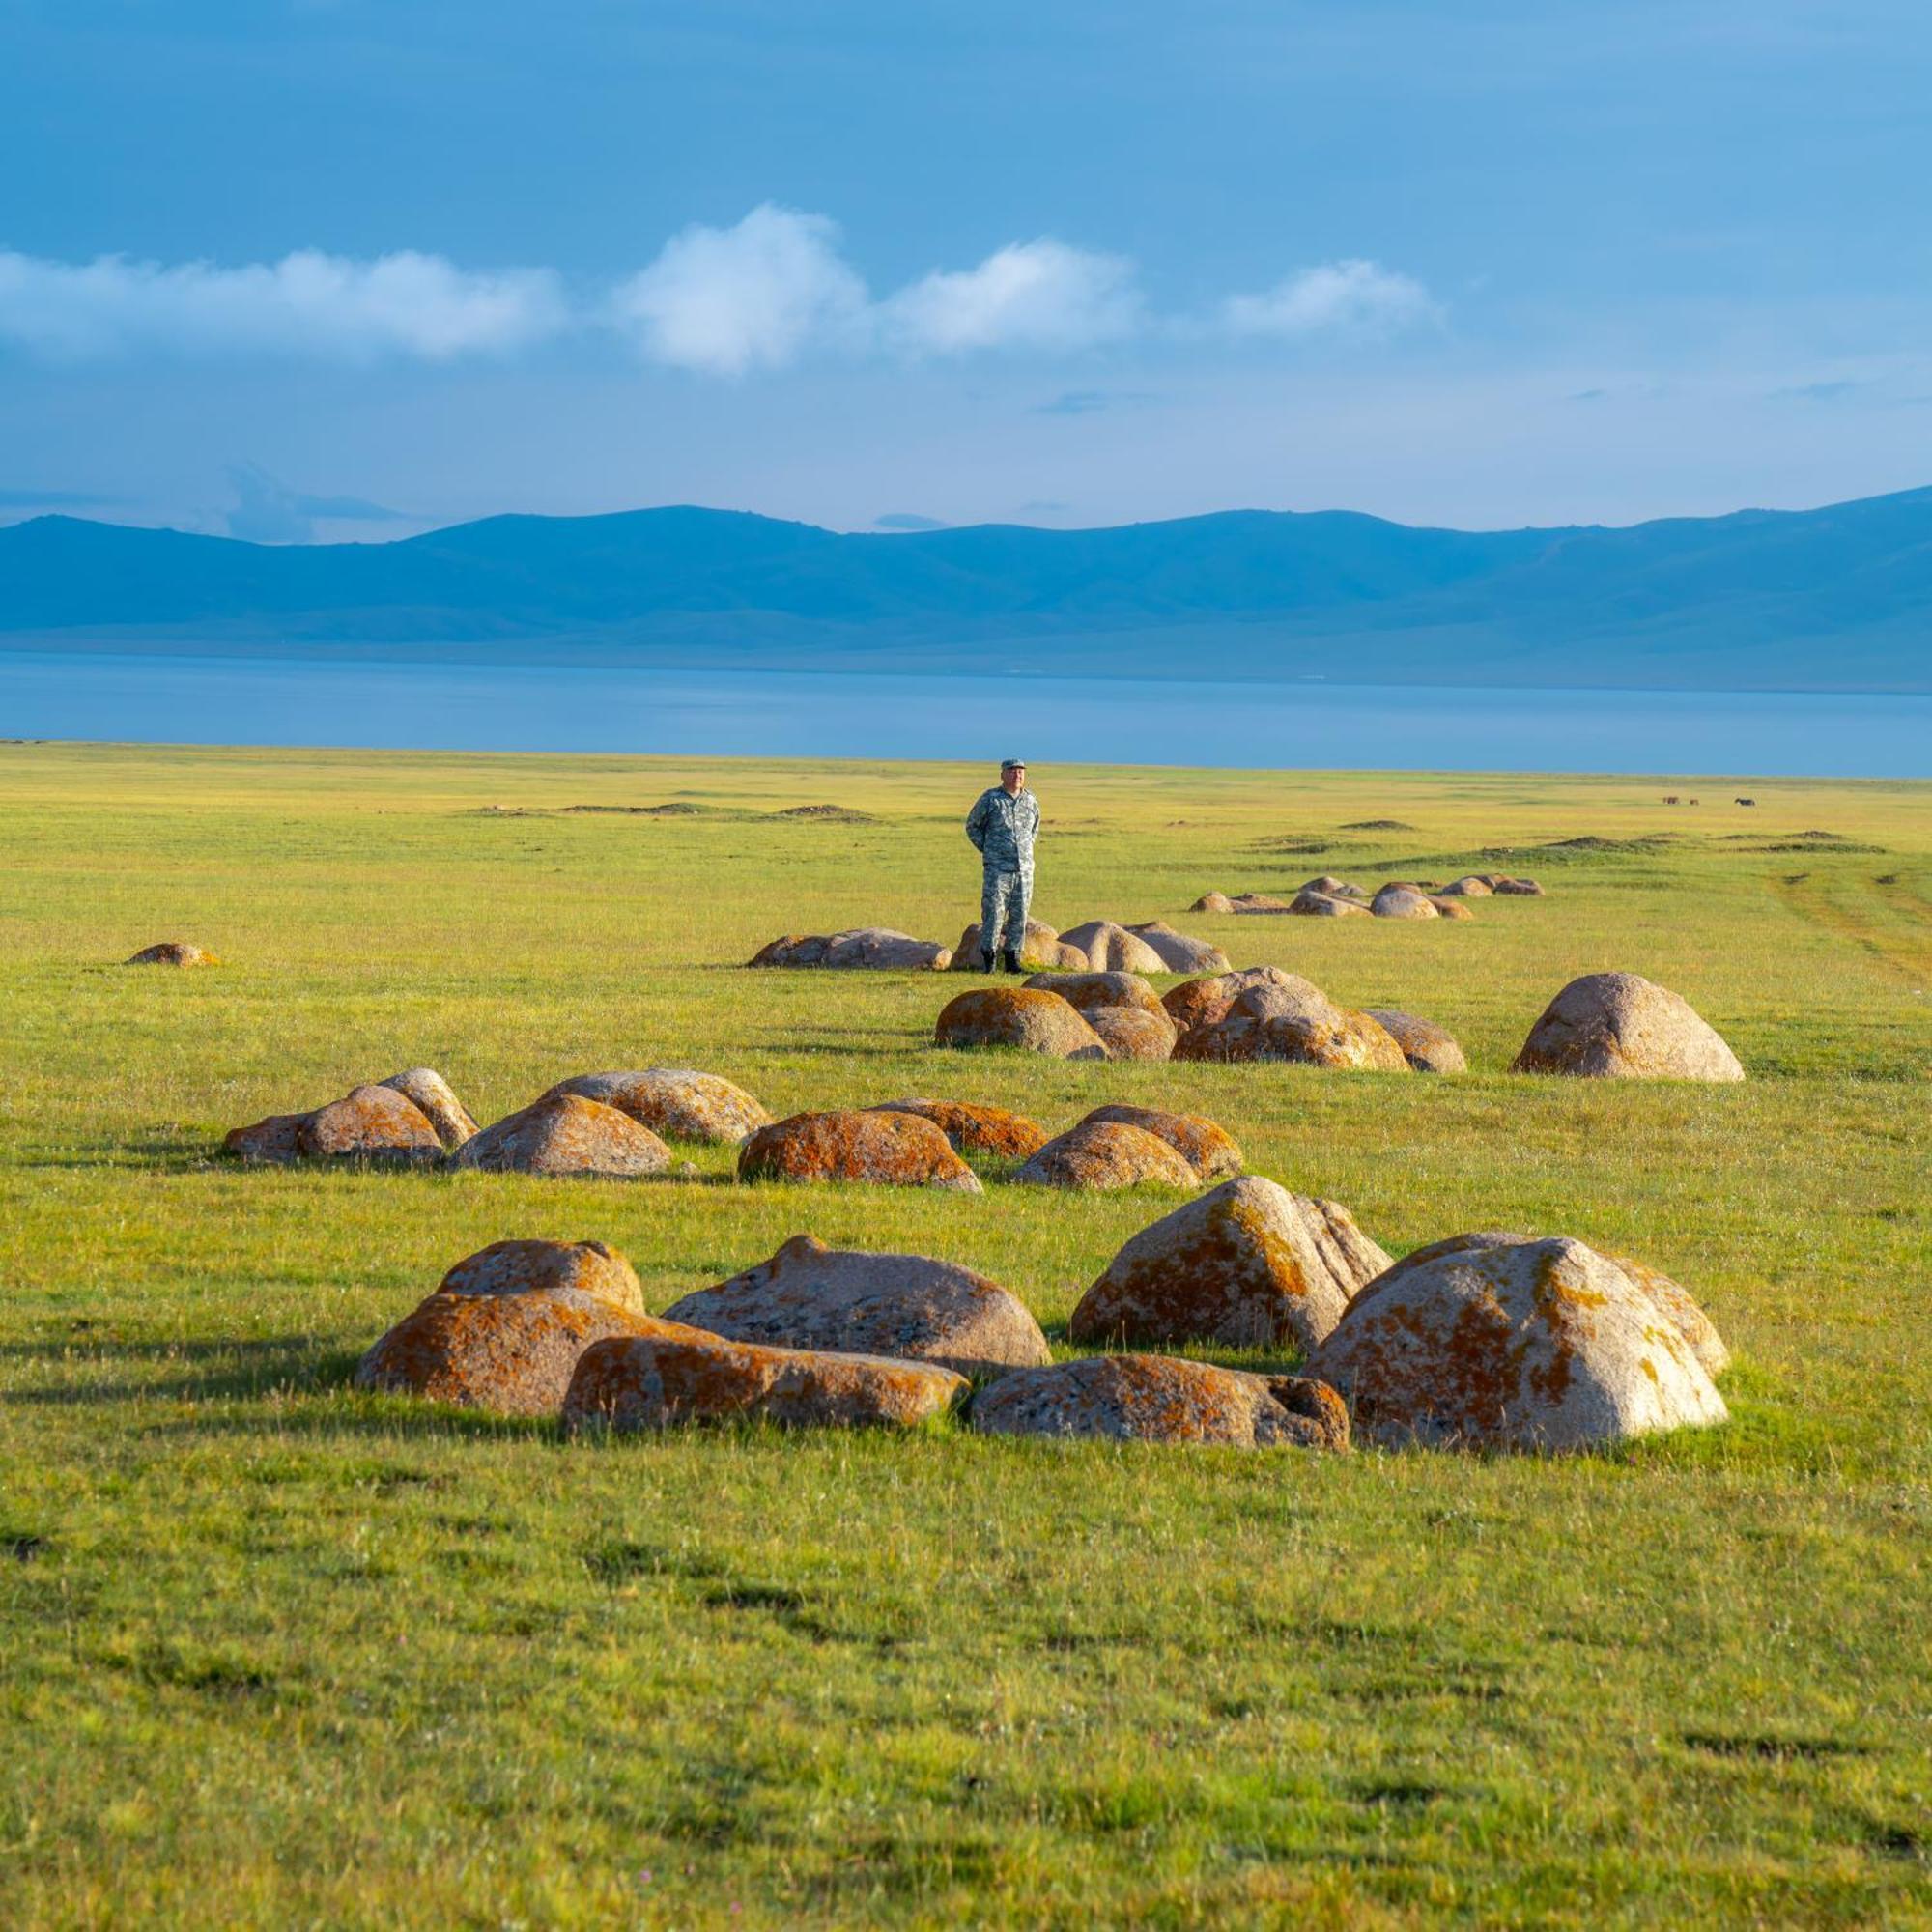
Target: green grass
x,y
274,1653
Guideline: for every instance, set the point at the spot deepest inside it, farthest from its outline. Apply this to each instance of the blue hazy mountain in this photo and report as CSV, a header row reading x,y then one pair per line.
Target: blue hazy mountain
x,y
1834,598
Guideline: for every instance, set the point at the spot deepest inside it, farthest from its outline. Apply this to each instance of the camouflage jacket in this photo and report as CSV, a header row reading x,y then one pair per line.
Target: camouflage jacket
x,y
1003,827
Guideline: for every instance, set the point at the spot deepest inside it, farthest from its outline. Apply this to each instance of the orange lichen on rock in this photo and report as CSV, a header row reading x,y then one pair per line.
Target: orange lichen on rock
x,y
172,952
974,1129
1207,1146
375,1123
889,1149
433,1097
1310,905
564,1134
1132,1033
1248,1265
1686,1315
1103,1154
1162,1399
1425,1046
1088,990
534,1267
1212,902
1019,1016
1620,1026
1285,1018
630,1384
677,1101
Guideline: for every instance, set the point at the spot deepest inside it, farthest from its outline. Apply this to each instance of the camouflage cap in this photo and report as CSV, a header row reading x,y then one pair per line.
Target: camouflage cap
x,y
1012,764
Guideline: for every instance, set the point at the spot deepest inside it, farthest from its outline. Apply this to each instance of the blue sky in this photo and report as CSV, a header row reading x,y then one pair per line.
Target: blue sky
x,y
296,267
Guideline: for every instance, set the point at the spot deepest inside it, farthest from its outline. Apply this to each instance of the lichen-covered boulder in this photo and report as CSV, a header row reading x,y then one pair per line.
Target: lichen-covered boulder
x,y
1162,1399
1258,904
275,1141
1400,901
1468,887
1699,1332
879,949
1503,886
1206,1147
1199,1003
1039,952
1212,902
1132,1033
1308,903
1180,953
676,1102
1619,1026
172,952
973,1130
373,1124
1448,908
793,948
1499,1340
530,1268
1249,1266
1088,990
1020,1016
432,1097
647,1382
1105,1154
1290,1019
565,1134
886,1150
1109,947
1425,1046
908,1307
1330,887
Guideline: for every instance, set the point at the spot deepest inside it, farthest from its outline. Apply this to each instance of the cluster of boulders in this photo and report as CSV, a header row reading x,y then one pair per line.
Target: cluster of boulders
x,y
172,952
1098,945
1325,896
875,949
1482,1341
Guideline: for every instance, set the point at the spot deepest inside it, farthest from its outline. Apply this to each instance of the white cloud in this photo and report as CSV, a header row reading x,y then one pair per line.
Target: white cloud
x,y
726,301
1030,295
308,303
1352,297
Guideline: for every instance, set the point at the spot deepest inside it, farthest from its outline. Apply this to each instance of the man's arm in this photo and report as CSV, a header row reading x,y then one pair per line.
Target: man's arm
x,y
975,823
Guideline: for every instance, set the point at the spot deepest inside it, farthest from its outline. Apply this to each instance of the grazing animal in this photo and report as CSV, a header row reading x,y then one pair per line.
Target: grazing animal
x,y
1744,801
1670,798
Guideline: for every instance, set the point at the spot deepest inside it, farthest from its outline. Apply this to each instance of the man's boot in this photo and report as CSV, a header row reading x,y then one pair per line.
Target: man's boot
x,y
1010,960
985,961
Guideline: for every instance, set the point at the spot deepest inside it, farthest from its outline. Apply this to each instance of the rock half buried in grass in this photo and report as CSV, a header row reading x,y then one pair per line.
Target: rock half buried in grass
x,y
1161,1398
1088,990
648,1382
372,1123
865,947
1310,905
1132,1033
1467,887
1618,1026
677,1102
275,1140
1180,953
1249,1266
1287,1018
1212,902
1105,1154
1425,1046
1505,887
908,1307
564,1134
172,952
433,1097
972,1130
1199,1003
1330,887
1207,1146
506,1328
886,1150
1017,1017
1112,948
1499,1341
1400,901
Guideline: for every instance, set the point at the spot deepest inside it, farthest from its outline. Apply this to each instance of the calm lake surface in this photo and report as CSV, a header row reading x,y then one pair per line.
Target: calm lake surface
x,y
186,699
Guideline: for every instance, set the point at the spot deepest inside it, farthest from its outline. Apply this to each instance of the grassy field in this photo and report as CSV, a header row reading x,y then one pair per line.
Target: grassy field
x,y
272,1653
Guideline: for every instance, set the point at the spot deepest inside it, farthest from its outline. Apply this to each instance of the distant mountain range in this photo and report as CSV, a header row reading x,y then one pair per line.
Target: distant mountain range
x,y
1832,599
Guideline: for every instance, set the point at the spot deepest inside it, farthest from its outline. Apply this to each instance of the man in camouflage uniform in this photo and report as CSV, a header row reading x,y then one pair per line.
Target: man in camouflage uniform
x,y
1002,824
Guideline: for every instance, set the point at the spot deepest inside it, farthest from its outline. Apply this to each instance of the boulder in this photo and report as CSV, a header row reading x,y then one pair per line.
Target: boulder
x,y
1041,950
1112,948
1290,1019
1505,887
795,949
1310,905
1177,952
1088,990
275,1140
1249,1266
1105,1154
1257,904
1161,1398
1697,1329
1206,1147
1424,1044
1198,1002
1500,1340
908,1307
1132,1033
172,952
1618,1026
565,1134
1330,887
373,1124
1212,902
1448,908
880,949
676,1102
432,1098
1017,1017
1401,901
532,1268
886,1150
1468,887
972,1130
632,1383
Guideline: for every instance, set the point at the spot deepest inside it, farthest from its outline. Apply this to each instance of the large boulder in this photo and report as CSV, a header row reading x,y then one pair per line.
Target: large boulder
x,y
1290,1019
1508,888
1401,901
433,1097
1040,951
1619,1026
1500,1340
845,1144
1448,908
1212,902
372,1123
676,1102
972,1130
1109,947
792,949
1330,887
909,1307
1699,1332
1308,903
1469,886
565,1134
530,1268
873,947
1088,990
1132,1032
1258,904
274,1141
1105,1154
1425,1046
1249,1266
1161,1398
1199,1003
172,952
634,1383
1020,1016
1207,1146
1180,953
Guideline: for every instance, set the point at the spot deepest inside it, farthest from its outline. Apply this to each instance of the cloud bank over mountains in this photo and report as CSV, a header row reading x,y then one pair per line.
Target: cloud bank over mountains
x,y
771,291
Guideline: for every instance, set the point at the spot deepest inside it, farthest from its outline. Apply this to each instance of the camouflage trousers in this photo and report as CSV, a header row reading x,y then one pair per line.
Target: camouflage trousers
x,y
1003,911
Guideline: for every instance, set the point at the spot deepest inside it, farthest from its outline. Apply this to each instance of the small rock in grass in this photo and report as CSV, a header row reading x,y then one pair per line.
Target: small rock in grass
x,y
1425,1046
1088,990
432,1097
1109,947
1180,953
1132,1033
173,952
372,1123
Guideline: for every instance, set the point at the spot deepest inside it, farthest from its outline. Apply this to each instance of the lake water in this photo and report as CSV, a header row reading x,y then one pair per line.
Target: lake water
x,y
230,700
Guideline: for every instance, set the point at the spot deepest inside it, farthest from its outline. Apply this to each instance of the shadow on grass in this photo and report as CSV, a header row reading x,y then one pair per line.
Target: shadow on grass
x,y
234,1369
